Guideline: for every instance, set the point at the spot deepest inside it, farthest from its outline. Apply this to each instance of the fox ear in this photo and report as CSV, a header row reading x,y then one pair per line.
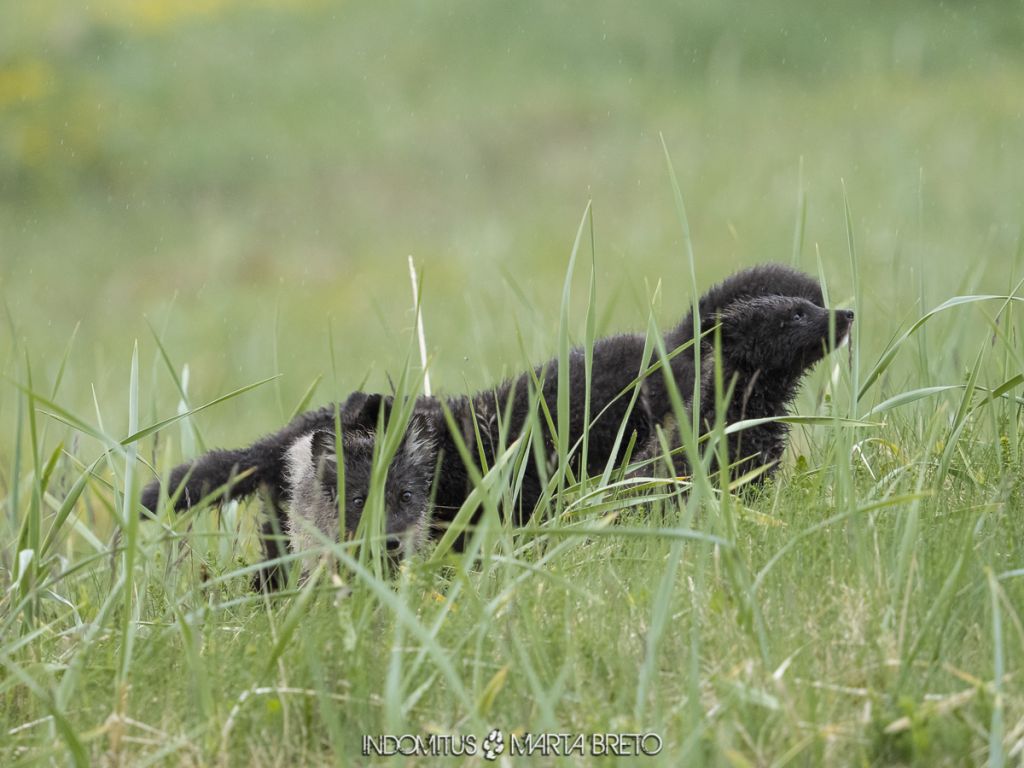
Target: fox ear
x,y
420,436
322,445
364,411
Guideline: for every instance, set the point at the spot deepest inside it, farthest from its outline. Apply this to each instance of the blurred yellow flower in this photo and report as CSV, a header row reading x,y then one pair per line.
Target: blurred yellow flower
x,y
159,14
27,81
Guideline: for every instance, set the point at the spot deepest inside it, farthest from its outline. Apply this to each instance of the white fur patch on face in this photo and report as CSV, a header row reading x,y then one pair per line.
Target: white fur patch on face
x,y
844,340
311,514
299,458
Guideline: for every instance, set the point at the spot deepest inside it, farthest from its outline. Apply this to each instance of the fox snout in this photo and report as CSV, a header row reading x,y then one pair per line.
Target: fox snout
x,y
843,324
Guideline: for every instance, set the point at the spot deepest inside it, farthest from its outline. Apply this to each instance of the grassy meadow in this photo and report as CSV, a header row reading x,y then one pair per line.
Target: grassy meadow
x,y
206,211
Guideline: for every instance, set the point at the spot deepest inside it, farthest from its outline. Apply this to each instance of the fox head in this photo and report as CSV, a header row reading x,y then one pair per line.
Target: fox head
x,y
780,335
406,490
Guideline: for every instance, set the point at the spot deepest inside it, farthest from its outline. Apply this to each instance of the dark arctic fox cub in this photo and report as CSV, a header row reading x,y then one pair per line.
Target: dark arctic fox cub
x,y
773,328
764,345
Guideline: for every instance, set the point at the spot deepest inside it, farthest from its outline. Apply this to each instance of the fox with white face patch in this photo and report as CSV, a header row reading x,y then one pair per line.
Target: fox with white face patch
x,y
296,469
311,470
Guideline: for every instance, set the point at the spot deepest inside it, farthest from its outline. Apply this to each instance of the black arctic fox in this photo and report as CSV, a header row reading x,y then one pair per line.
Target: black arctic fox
x,y
764,346
773,328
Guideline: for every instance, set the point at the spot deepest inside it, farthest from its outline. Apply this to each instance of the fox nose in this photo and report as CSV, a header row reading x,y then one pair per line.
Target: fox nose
x,y
847,314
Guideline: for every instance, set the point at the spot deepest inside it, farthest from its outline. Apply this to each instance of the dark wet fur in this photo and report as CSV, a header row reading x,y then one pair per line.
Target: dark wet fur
x,y
764,346
766,356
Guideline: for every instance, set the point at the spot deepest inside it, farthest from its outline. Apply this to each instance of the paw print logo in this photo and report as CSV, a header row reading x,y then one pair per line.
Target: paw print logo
x,y
494,745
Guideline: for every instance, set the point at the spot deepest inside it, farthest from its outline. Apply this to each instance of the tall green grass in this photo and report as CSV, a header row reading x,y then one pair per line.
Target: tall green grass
x,y
238,187
861,607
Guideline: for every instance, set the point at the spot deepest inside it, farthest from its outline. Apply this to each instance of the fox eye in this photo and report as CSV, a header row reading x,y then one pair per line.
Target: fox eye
x,y
357,502
406,497
798,314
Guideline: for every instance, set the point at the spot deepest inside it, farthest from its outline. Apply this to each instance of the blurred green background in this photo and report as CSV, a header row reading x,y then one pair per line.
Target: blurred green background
x,y
244,174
